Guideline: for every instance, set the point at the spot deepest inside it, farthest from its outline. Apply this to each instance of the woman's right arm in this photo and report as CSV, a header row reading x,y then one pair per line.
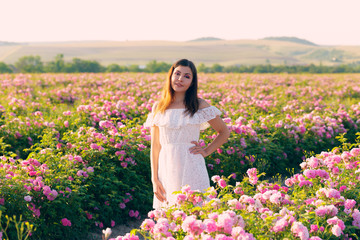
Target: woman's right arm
x,y
158,188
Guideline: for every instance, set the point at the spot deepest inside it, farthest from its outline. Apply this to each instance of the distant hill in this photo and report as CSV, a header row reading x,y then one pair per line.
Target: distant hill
x,y
283,50
206,39
291,39
7,43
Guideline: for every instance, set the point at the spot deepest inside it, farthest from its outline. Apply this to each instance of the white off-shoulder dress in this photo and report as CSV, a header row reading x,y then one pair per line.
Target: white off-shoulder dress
x,y
177,166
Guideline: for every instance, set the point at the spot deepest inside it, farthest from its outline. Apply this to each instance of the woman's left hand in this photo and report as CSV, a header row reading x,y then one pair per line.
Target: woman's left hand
x,y
197,149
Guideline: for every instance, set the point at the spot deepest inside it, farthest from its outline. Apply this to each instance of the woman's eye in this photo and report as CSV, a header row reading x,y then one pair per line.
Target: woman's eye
x,y
187,77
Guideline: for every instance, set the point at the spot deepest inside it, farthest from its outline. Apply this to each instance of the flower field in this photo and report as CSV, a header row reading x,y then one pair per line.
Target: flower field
x,y
319,203
75,156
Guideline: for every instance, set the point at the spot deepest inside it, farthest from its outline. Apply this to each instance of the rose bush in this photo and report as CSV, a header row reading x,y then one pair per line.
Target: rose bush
x,y
320,202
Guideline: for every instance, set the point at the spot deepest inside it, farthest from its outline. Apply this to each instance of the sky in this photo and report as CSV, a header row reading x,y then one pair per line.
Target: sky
x,y
325,22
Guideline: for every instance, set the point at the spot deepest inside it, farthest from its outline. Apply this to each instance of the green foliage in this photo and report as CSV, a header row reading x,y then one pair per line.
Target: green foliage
x,y
201,67
134,68
79,66
29,64
217,68
4,68
56,66
155,67
33,64
268,68
99,195
11,228
116,68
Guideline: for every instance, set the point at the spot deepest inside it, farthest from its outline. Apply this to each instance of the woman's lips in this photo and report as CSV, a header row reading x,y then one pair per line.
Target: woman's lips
x,y
178,84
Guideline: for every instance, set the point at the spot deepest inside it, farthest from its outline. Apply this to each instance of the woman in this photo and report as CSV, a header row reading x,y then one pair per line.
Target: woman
x,y
177,159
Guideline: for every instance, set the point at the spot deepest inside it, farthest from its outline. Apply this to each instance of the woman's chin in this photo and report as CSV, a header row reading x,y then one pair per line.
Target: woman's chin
x,y
178,89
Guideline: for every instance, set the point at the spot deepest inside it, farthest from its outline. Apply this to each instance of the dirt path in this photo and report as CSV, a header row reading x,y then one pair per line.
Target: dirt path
x,y
119,230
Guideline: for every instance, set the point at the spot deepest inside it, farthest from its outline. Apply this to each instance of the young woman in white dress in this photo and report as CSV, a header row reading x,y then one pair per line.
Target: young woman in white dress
x,y
177,159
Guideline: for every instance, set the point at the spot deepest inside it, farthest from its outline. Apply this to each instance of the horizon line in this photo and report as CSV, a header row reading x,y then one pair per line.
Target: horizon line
x,y
209,38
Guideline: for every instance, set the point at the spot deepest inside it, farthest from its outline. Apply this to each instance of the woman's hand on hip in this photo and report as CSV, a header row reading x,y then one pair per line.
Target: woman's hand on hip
x,y
197,149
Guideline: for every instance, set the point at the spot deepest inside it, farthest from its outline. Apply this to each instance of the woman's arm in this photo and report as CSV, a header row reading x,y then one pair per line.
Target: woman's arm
x,y
223,134
158,188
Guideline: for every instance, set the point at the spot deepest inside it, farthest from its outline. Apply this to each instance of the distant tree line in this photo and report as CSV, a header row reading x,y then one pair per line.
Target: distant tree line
x,y
268,68
33,64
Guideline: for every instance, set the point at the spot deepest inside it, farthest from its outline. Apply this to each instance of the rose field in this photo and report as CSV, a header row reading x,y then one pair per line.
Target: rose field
x,y
74,158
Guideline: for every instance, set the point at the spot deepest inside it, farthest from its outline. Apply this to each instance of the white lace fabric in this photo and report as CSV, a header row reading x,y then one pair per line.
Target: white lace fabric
x,y
177,166
179,119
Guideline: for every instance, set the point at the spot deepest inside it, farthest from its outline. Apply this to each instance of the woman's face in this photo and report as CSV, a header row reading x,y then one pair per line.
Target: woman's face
x,y
181,79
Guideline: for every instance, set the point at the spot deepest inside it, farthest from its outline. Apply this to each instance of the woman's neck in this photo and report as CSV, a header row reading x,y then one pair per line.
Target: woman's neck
x,y
179,98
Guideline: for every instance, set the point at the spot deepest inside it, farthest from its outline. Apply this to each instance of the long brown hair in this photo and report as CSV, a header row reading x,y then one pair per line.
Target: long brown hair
x,y
168,94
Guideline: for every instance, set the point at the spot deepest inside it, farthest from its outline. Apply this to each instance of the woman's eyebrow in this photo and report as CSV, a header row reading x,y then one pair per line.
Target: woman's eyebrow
x,y
184,73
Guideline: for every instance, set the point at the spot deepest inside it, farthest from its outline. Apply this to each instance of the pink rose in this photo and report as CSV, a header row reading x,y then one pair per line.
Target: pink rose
x,y
215,178
27,198
222,183
336,230
349,203
210,225
147,224
66,222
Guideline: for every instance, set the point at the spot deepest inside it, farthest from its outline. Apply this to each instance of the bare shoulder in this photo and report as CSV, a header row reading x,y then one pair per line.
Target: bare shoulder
x,y
203,104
